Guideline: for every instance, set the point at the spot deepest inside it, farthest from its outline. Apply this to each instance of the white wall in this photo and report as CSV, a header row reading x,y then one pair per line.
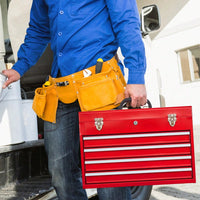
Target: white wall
x,y
180,29
175,92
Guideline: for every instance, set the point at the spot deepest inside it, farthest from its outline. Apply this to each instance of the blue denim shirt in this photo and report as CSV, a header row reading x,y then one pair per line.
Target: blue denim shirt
x,y
82,31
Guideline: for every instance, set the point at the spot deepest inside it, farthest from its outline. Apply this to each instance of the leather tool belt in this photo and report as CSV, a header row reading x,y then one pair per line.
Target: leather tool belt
x,y
102,91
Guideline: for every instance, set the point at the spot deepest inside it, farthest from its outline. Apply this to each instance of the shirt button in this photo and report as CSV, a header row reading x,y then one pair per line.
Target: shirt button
x,y
60,33
60,54
61,12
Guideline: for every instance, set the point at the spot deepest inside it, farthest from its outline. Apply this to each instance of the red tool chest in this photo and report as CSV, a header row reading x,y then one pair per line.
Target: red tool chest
x,y
137,147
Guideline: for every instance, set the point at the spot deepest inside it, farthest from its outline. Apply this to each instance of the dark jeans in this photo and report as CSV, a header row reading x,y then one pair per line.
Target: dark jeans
x,y
62,147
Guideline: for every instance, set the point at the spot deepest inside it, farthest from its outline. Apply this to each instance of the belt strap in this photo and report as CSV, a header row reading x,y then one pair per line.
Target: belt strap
x,y
62,81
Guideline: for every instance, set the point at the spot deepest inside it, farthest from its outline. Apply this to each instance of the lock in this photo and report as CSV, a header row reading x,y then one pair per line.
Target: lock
x,y
98,123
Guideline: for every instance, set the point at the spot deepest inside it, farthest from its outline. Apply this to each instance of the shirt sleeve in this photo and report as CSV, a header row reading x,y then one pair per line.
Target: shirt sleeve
x,y
126,25
36,39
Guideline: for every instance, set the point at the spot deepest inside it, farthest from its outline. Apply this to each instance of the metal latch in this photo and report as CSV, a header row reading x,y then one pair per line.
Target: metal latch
x,y
172,119
98,123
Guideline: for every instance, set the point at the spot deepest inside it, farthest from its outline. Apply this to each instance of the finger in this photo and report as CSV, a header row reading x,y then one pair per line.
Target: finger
x,y
143,101
7,83
134,102
138,104
5,72
140,101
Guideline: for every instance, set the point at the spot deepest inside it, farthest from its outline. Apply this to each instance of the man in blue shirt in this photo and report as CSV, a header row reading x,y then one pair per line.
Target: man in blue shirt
x,y
80,32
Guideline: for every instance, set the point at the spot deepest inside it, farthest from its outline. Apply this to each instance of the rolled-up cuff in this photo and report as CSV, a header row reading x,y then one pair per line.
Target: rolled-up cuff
x,y
136,77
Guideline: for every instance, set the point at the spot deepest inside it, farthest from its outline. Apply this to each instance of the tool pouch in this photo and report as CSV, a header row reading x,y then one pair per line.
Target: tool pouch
x,y
66,93
39,102
45,103
102,91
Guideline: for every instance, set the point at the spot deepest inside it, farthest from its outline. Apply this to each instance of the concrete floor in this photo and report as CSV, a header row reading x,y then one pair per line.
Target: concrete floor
x,y
179,191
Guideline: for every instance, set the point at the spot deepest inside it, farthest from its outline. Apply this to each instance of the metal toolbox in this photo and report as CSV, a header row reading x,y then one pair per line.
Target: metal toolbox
x,y
137,147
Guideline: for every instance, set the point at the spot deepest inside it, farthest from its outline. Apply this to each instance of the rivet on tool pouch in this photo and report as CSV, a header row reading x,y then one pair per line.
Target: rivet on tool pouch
x,y
101,89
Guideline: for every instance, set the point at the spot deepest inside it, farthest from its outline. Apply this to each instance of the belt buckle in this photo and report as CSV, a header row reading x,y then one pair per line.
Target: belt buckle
x,y
64,83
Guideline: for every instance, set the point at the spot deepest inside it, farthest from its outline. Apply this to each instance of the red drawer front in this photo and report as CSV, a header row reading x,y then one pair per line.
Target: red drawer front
x,y
128,139
137,163
140,175
138,151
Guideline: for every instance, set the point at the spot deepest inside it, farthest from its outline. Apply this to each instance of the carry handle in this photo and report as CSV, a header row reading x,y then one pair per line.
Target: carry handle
x,y
128,100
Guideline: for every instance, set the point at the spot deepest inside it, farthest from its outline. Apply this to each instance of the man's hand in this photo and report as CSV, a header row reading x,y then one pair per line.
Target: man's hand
x,y
12,76
137,92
